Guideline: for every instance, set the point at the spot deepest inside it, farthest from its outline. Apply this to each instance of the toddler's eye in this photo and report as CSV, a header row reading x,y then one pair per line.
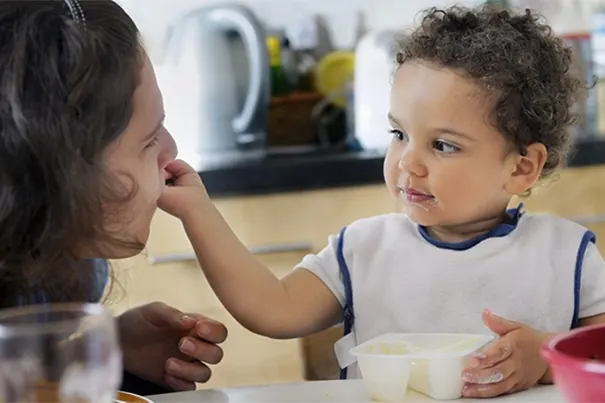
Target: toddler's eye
x,y
444,147
399,135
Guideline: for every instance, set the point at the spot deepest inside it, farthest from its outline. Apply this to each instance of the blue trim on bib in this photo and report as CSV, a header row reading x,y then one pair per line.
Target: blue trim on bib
x,y
500,230
349,317
588,237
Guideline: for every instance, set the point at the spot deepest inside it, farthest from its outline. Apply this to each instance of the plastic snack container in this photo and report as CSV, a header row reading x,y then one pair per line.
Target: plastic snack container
x,y
429,363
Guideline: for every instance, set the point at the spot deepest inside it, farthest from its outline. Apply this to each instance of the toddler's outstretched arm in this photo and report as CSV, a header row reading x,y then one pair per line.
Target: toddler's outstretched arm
x,y
297,305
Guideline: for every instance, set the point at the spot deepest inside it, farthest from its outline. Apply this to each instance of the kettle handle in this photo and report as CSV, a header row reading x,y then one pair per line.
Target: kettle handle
x,y
247,26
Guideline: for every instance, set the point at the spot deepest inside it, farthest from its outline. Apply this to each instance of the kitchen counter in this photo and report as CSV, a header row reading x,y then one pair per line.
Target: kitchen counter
x,y
310,170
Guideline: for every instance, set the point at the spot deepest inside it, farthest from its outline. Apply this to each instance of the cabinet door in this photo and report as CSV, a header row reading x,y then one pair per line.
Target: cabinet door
x,y
577,194
180,284
280,222
573,193
251,359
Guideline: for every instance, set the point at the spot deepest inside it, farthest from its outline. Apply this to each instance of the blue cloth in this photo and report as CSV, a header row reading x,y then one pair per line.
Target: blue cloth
x,y
101,268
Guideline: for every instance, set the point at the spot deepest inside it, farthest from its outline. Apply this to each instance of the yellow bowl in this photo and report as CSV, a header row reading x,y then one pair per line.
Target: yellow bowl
x,y
333,72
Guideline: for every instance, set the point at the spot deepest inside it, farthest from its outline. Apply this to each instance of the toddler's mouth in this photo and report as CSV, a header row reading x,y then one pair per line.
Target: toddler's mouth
x,y
415,197
412,195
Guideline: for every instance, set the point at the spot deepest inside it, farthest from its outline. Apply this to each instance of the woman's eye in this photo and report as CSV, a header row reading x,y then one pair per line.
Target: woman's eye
x,y
152,143
444,147
399,135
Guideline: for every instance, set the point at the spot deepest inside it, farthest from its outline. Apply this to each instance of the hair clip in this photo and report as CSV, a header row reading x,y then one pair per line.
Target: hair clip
x,y
75,9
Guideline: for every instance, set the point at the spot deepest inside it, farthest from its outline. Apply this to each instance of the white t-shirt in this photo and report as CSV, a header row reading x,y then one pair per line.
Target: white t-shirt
x,y
540,270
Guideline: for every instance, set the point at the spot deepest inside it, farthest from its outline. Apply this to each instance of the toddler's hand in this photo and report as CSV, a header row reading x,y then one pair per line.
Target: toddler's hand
x,y
185,194
510,364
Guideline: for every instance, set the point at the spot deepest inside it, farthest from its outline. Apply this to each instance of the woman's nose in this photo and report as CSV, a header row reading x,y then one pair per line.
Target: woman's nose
x,y
173,148
169,151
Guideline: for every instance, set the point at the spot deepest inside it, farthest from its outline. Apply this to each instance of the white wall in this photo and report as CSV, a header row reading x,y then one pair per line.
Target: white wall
x,y
152,16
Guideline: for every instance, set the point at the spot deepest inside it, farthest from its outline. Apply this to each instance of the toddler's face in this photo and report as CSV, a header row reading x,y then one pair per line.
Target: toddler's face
x,y
446,164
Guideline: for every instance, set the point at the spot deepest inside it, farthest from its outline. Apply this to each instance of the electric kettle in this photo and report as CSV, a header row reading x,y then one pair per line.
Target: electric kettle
x,y
216,84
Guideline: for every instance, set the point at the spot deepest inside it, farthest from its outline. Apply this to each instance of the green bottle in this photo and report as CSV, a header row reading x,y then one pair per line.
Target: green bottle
x,y
280,86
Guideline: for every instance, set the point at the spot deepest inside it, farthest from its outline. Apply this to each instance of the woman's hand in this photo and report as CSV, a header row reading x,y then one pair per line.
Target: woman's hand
x,y
165,346
510,364
185,194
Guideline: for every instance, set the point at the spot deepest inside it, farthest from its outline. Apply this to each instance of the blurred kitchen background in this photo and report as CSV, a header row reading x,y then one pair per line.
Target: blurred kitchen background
x,y
258,78
281,106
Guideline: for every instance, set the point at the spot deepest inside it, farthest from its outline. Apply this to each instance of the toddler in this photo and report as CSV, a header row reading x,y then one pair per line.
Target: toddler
x,y
480,108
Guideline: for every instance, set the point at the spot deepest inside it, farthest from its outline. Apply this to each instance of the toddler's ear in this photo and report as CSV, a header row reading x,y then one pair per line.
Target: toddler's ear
x,y
527,169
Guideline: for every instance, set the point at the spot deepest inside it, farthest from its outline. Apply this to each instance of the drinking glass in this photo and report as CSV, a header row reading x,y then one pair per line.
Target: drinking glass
x,y
59,353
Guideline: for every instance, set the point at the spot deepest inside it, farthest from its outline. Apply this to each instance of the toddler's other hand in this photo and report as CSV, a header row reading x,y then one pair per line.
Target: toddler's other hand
x,y
185,194
510,364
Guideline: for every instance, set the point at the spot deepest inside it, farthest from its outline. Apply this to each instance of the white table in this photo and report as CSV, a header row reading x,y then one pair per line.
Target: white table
x,y
327,391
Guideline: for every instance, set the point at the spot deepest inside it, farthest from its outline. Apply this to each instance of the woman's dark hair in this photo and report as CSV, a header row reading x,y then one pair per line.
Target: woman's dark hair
x,y
66,93
517,59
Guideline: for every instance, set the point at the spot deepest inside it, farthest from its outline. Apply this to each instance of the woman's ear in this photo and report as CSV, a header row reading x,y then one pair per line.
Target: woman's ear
x,y
527,169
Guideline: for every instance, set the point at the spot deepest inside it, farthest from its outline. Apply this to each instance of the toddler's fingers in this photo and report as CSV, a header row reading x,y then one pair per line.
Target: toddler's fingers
x,y
497,352
182,174
508,385
179,168
495,374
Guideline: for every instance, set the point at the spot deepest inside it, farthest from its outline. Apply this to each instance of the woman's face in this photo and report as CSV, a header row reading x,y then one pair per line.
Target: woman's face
x,y
135,164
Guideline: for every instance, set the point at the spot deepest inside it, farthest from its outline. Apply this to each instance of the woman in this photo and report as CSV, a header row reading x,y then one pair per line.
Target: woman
x,y
82,163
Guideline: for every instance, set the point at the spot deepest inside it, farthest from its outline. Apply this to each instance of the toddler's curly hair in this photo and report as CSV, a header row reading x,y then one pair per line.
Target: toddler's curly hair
x,y
517,59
